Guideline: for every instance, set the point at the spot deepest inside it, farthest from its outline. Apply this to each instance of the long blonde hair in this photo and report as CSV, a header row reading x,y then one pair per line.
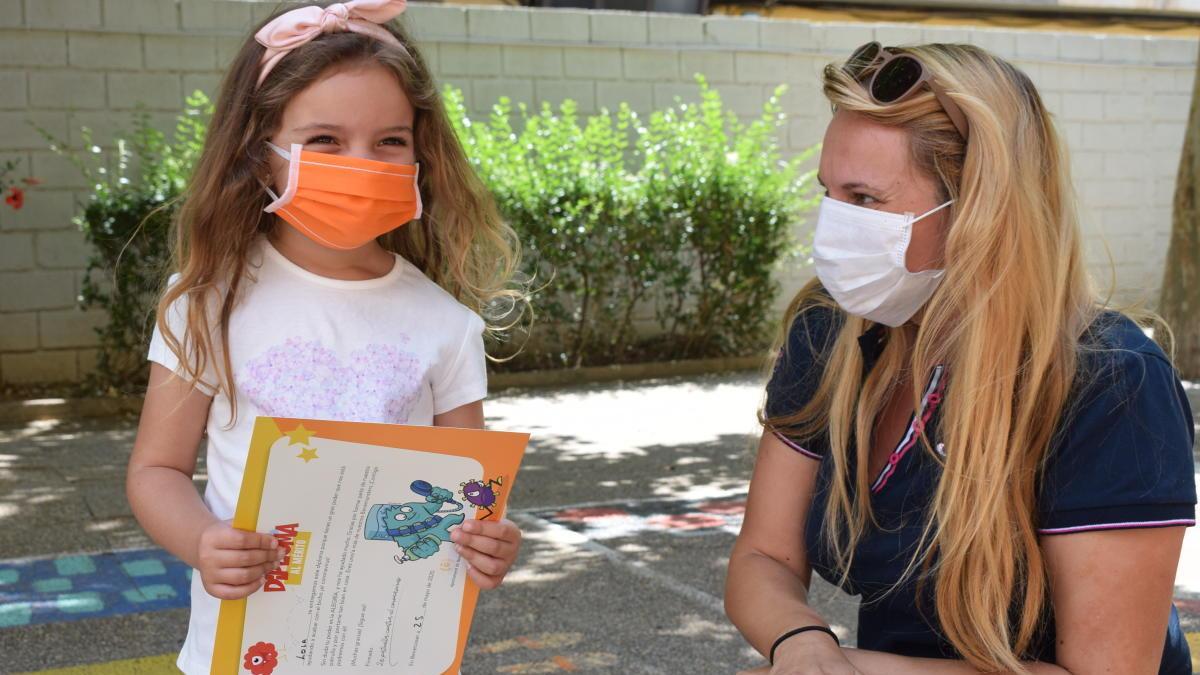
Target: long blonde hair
x,y
460,242
1006,321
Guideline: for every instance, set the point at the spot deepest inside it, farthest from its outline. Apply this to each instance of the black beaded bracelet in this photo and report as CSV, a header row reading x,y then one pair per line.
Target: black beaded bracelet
x,y
797,631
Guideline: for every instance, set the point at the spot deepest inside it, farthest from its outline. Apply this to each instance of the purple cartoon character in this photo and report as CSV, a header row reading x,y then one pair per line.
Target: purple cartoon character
x,y
482,495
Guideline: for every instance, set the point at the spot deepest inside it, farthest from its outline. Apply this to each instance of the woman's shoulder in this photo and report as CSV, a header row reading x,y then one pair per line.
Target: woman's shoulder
x,y
1113,331
1117,354
1122,457
813,325
800,363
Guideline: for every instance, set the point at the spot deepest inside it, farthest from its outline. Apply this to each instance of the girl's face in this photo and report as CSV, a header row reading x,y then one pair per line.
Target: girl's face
x,y
358,112
870,165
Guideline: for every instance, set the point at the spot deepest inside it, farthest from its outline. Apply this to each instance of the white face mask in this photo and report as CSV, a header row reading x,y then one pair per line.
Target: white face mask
x,y
859,255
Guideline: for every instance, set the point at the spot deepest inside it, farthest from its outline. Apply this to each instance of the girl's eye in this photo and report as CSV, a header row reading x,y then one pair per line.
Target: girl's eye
x,y
320,140
394,140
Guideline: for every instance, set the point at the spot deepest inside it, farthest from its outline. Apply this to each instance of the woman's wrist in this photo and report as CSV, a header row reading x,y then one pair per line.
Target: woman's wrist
x,y
807,640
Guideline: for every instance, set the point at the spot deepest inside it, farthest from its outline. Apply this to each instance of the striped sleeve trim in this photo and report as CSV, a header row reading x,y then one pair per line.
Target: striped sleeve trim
x,y
1119,526
792,444
1133,516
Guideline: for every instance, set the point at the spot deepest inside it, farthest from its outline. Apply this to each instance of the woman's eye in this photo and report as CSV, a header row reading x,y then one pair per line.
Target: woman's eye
x,y
320,140
864,200
394,140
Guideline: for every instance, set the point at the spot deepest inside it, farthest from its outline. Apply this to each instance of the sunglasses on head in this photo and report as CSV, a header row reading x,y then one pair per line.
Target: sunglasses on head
x,y
891,77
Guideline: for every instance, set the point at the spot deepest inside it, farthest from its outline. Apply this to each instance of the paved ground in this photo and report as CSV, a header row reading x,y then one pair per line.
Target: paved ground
x,y
630,497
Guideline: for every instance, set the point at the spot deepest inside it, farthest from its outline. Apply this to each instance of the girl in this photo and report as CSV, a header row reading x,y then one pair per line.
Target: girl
x,y
956,428
335,252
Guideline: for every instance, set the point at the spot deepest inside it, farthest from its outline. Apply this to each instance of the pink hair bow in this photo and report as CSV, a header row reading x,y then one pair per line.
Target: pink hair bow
x,y
299,26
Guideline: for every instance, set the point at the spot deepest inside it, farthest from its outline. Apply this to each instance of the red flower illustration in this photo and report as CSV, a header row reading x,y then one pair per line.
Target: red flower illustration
x,y
261,658
15,198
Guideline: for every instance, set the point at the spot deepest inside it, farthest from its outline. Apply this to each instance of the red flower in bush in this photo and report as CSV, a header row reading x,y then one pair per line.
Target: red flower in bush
x,y
15,198
261,658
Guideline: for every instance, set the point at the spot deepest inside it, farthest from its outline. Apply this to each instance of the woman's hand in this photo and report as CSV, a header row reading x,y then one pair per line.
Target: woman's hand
x,y
807,654
811,653
489,547
233,563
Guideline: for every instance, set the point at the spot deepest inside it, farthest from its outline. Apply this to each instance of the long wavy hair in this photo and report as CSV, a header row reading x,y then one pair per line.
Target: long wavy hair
x,y
460,242
1006,321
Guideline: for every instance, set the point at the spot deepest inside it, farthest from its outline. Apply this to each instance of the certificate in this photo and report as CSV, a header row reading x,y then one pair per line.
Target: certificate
x,y
363,512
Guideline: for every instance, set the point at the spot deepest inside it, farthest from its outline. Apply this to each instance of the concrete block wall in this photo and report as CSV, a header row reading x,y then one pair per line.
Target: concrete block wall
x,y
1120,100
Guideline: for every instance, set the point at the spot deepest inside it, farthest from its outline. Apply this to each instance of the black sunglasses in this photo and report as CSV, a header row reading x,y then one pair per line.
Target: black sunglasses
x,y
891,77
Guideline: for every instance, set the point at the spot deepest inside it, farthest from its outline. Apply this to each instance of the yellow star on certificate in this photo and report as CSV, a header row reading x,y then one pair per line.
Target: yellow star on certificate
x,y
299,435
308,454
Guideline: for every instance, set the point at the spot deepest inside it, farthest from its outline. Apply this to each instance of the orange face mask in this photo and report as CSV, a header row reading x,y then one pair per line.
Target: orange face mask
x,y
345,202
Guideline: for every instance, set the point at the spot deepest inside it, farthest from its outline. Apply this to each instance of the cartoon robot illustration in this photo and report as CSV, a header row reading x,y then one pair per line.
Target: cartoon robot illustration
x,y
418,528
482,495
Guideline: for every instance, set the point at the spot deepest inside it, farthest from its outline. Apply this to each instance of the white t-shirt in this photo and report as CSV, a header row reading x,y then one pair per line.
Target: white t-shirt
x,y
396,349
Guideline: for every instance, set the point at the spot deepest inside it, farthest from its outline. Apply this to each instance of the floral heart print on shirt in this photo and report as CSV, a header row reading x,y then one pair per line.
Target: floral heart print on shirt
x,y
304,378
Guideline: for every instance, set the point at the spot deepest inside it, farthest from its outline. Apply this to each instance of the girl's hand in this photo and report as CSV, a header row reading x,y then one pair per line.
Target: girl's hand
x,y
490,548
233,563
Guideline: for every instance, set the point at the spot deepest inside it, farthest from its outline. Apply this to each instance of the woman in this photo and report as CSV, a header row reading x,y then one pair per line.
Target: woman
x,y
1020,499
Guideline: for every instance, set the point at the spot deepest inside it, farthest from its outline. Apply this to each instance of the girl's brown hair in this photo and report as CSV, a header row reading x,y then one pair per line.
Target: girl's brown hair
x,y
460,242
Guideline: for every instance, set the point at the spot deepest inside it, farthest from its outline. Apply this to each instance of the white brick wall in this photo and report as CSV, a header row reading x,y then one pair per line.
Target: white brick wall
x,y
1120,100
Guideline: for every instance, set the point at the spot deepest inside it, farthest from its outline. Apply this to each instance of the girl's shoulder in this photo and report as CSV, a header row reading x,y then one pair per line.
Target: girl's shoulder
x,y
440,301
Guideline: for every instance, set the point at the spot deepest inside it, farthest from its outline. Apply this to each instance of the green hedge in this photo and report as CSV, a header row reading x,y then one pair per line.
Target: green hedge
x,y
644,238
684,215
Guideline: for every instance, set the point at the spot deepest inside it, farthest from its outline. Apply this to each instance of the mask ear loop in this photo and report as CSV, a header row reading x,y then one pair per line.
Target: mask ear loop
x,y
932,211
901,254
293,160
417,190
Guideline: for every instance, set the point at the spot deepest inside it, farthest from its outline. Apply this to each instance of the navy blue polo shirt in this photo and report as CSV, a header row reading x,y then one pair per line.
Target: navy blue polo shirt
x,y
1122,459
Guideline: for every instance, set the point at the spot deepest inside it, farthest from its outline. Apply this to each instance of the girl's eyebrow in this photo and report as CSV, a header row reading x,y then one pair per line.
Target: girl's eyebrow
x,y
318,125
324,126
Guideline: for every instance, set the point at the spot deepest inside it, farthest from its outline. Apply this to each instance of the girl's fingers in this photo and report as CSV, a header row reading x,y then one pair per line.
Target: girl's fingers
x,y
496,548
230,538
482,580
483,562
245,557
239,576
232,591
504,530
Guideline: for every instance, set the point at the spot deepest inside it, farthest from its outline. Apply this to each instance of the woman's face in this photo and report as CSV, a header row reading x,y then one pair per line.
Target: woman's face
x,y
358,112
870,165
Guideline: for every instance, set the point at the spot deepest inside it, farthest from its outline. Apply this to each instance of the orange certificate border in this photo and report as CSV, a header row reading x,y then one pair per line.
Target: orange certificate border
x,y
499,452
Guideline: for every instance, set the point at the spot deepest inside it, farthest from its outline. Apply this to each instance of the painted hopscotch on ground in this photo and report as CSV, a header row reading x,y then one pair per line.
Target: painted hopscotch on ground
x,y
66,588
